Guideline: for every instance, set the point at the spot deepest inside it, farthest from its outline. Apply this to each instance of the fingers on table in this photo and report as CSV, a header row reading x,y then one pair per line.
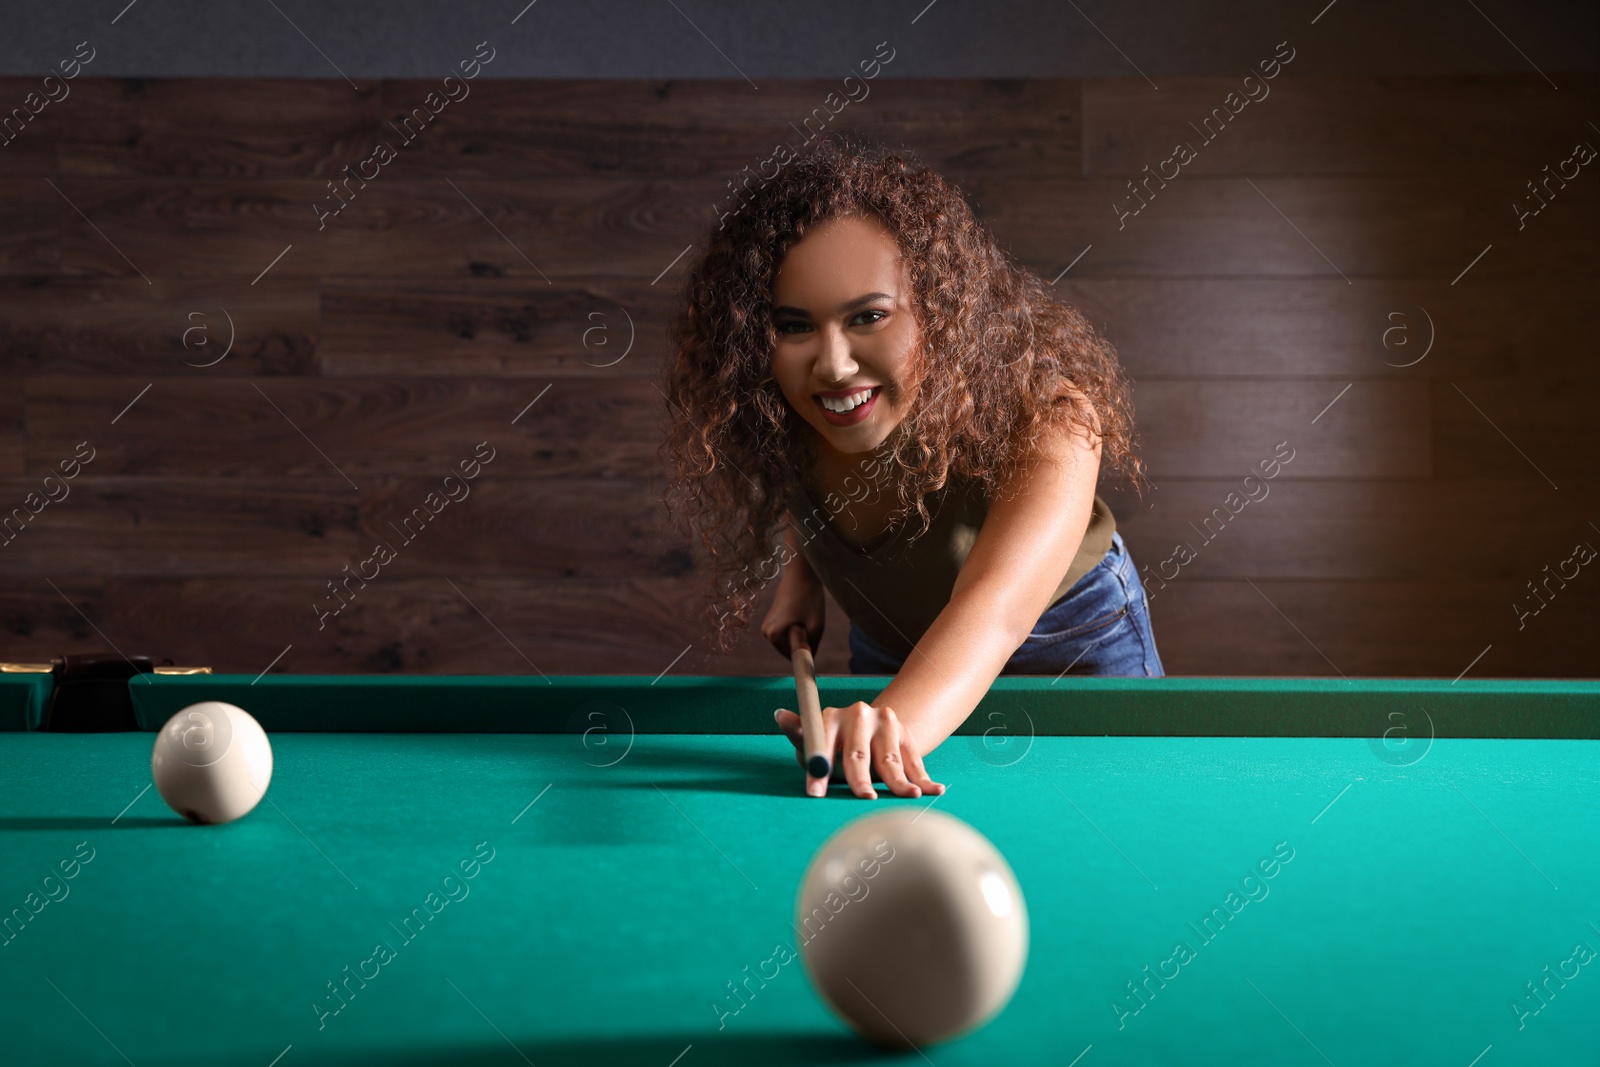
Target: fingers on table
x,y
856,735
888,749
918,773
872,741
789,723
868,741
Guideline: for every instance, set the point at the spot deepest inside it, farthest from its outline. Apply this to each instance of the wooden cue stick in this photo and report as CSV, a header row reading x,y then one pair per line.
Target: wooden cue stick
x,y
818,764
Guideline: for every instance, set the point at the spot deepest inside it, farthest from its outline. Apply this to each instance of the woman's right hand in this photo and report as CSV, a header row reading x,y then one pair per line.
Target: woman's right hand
x,y
799,601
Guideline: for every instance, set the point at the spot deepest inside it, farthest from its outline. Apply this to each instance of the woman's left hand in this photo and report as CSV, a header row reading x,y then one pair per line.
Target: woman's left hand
x,y
875,745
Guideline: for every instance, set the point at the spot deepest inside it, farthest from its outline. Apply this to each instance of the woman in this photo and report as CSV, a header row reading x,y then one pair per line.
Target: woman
x,y
855,347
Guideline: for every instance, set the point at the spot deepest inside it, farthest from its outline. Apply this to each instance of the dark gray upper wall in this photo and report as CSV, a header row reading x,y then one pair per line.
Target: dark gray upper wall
x,y
366,39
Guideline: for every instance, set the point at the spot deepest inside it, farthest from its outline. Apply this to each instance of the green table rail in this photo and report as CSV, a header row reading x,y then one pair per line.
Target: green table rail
x,y
1193,707
23,697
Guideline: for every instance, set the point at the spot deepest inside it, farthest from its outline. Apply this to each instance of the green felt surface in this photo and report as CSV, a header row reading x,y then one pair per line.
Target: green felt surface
x,y
1016,705
1422,895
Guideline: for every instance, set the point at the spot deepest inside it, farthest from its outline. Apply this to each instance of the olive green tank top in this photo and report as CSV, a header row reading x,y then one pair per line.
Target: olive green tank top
x,y
894,592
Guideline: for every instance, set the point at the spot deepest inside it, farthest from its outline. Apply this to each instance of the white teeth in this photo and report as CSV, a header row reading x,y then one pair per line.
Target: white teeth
x,y
846,403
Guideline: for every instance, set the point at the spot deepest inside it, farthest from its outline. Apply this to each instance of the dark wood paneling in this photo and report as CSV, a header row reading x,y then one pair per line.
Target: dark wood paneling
x,y
612,528
1542,429
591,427
1209,428
1420,125
498,625
25,145
30,226
407,329
506,328
1387,628
579,428
1396,227
96,111
1403,529
112,326
1291,328
534,229
1284,227
170,526
38,622
238,127
1185,328
513,129
12,436
1371,628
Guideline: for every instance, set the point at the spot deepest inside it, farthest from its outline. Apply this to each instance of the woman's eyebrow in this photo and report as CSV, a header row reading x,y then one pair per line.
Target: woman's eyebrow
x,y
850,306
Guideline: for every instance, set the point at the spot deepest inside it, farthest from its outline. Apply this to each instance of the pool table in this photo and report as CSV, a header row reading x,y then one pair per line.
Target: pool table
x,y
602,869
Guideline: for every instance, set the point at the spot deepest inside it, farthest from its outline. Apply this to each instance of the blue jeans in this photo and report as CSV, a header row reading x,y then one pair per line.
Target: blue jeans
x,y
1101,627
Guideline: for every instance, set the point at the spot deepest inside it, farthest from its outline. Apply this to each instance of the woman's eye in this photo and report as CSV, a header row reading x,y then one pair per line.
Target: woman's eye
x,y
797,325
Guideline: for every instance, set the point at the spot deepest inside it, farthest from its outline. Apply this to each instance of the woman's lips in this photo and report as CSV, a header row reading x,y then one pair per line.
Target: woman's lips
x,y
855,415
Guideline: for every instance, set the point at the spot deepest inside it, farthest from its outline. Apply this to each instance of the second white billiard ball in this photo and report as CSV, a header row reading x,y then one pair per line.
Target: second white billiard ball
x,y
212,762
913,927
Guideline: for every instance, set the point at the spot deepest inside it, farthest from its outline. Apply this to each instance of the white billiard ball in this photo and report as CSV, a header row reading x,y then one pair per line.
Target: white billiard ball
x,y
212,762
912,927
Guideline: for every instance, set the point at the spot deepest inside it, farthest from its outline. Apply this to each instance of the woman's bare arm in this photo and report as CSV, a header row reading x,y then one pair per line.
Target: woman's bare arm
x,y
1028,540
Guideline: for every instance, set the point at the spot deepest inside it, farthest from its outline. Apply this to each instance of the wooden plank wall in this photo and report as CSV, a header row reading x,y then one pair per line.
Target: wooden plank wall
x,y
1269,293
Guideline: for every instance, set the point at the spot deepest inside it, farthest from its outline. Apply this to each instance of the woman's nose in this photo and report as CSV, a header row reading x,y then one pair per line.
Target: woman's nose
x,y
835,363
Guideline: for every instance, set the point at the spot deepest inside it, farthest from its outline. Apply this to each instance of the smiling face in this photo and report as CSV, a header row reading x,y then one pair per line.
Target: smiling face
x,y
842,309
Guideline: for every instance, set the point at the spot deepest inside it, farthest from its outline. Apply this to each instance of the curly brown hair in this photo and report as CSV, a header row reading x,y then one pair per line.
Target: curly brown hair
x,y
994,346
